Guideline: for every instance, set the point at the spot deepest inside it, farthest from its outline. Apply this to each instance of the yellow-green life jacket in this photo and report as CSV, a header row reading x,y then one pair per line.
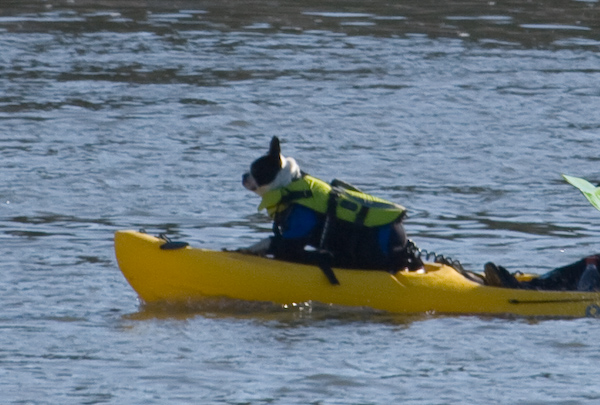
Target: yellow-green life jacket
x,y
349,204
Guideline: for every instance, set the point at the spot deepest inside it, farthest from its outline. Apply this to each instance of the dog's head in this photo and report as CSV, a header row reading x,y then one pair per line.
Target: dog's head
x,y
271,171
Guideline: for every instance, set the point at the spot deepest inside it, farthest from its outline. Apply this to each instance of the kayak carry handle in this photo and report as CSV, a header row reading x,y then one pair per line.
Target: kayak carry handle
x,y
171,245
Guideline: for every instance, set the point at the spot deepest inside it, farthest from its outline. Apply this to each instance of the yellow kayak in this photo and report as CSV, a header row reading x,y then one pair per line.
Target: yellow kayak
x,y
188,274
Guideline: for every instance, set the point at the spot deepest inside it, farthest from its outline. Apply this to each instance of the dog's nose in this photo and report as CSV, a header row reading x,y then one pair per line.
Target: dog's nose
x,y
245,177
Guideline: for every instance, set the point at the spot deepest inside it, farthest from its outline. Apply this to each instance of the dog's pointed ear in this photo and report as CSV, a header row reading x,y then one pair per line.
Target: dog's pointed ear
x,y
274,148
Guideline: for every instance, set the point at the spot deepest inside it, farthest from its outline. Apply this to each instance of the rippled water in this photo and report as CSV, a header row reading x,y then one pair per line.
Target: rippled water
x,y
144,115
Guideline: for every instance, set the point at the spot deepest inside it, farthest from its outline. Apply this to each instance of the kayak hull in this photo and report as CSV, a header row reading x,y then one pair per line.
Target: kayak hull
x,y
190,274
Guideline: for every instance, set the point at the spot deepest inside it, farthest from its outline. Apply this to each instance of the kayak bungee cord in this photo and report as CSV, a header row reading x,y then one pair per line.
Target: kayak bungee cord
x,y
411,247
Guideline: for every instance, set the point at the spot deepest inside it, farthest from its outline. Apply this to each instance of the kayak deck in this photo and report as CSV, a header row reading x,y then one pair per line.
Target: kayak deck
x,y
190,274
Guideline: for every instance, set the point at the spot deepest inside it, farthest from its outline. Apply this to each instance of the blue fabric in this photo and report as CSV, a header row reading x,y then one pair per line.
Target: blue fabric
x,y
300,222
384,238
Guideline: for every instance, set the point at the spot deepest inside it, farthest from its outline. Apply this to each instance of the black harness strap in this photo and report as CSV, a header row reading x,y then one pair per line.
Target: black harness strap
x,y
362,214
326,257
295,195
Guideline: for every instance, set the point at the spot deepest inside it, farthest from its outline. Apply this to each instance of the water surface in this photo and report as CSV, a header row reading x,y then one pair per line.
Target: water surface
x,y
145,114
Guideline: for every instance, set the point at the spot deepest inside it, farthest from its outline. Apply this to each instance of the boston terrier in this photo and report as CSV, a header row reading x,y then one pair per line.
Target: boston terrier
x,y
304,233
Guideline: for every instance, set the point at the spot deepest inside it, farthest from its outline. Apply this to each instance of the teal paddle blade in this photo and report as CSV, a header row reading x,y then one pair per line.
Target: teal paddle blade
x,y
591,192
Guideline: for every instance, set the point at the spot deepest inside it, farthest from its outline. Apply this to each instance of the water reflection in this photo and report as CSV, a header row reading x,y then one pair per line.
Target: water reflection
x,y
292,315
